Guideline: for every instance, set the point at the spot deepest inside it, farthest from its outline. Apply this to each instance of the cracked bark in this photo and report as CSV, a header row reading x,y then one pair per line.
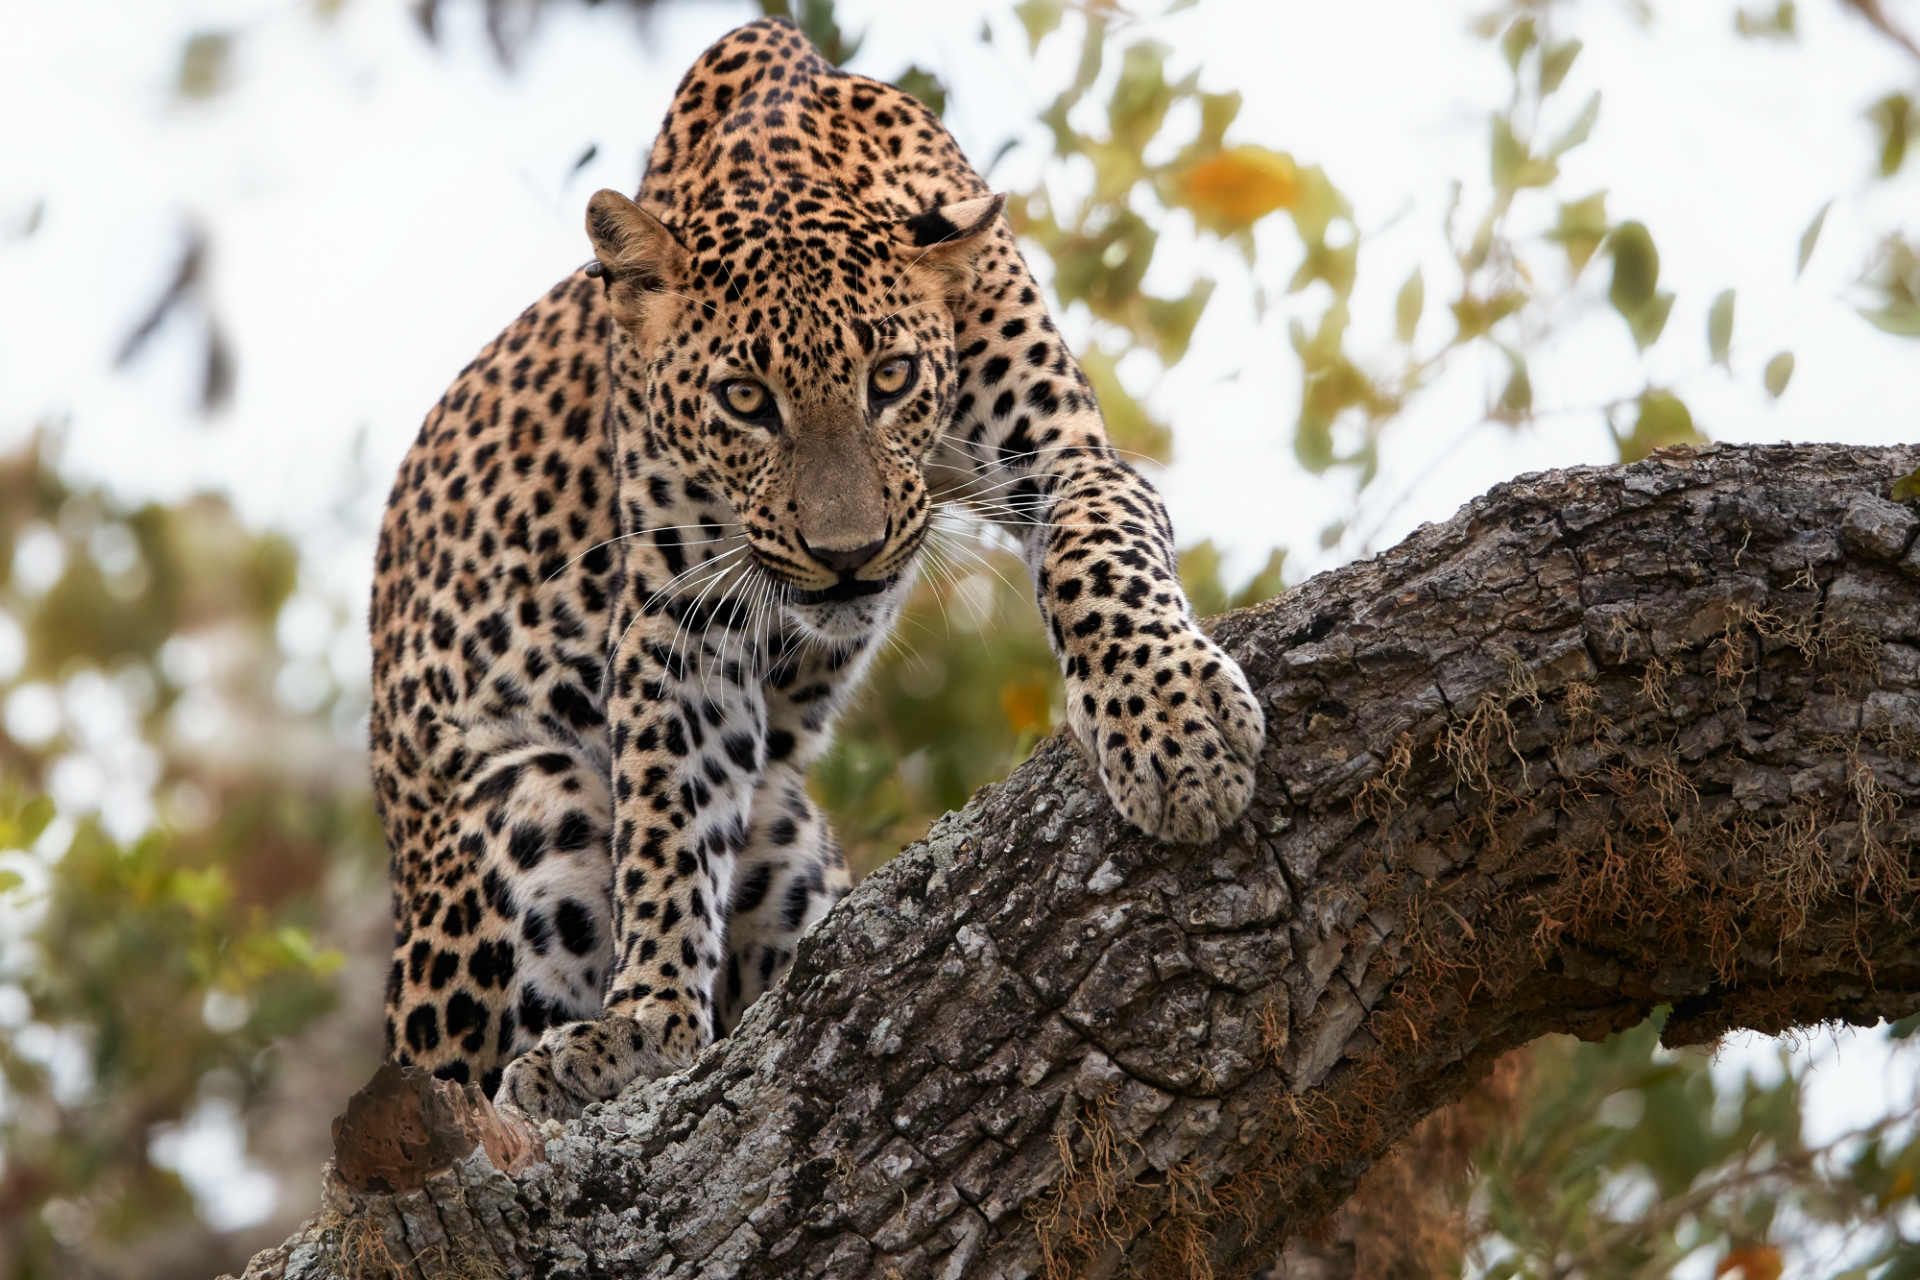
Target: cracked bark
x,y
1607,739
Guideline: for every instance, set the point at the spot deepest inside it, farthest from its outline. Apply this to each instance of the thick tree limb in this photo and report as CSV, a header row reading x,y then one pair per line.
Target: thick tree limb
x,y
1608,739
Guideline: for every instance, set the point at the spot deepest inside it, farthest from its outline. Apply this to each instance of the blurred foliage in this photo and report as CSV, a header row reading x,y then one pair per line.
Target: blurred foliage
x,y
509,24
145,979
1627,1161
1623,1160
188,863
967,690
1779,21
1893,281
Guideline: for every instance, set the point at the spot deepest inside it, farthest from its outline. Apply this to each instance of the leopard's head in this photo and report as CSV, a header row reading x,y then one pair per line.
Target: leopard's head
x,y
799,360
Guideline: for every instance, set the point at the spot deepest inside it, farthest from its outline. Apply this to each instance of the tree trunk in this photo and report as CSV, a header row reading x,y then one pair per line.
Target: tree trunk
x,y
1608,739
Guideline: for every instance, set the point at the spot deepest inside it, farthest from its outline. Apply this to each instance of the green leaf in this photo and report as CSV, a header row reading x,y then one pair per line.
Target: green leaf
x,y
1217,114
1093,47
1335,264
817,20
202,891
10,880
1900,319
1634,290
1331,386
1811,237
1519,38
32,820
204,64
1663,421
1040,18
926,86
1170,321
1678,1144
1474,315
1895,116
1507,153
1516,398
1582,226
1513,168
1093,54
1758,24
1648,322
1779,373
1316,203
1105,270
1141,95
1407,306
1555,61
1580,130
1636,268
1720,327
1199,568
297,949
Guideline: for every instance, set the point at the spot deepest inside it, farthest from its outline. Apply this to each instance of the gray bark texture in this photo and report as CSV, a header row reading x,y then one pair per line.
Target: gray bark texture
x,y
1608,739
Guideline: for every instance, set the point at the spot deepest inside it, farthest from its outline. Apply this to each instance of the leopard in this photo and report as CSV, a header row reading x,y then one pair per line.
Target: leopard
x,y
647,544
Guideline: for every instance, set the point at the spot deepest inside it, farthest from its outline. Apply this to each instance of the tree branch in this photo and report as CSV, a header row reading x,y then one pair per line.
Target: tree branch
x,y
1608,739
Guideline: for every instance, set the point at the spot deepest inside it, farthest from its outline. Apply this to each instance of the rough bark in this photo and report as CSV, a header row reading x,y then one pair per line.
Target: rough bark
x,y
1608,739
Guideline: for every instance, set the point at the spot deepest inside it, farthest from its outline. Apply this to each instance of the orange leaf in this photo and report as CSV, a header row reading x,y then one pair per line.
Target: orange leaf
x,y
1751,1262
1025,706
1234,188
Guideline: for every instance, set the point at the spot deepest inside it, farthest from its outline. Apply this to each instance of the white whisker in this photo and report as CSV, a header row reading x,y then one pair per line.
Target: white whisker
x,y
699,642
641,533
646,609
963,548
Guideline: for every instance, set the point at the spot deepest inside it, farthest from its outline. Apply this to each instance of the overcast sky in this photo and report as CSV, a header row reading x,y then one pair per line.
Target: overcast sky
x,y
378,209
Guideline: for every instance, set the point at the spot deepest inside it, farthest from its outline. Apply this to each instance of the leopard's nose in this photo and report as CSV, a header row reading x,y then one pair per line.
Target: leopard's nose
x,y
843,560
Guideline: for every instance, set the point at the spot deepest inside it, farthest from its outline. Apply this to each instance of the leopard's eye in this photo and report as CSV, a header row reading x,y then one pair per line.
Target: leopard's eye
x,y
746,398
891,379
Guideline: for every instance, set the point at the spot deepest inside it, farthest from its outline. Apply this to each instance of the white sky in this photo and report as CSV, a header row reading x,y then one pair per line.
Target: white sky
x,y
378,209
352,166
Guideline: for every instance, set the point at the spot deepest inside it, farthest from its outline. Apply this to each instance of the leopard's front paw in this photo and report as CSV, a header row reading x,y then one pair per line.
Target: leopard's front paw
x,y
580,1062
1175,732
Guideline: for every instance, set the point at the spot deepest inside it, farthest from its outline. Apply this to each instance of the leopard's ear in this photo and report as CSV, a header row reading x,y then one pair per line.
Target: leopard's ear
x,y
634,249
948,236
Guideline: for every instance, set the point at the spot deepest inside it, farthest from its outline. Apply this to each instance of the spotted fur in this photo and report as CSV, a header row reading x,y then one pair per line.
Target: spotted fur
x,y
647,543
